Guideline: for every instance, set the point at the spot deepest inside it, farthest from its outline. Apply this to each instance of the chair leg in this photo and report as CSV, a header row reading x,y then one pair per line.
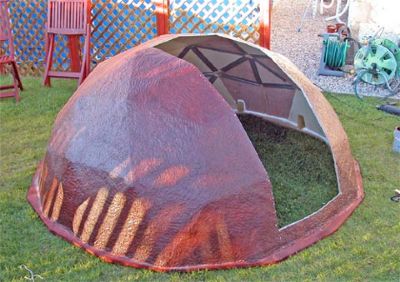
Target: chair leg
x,y
49,60
14,86
15,82
16,73
46,54
16,89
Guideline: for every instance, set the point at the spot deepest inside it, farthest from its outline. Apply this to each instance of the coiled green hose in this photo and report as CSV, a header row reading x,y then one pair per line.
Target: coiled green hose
x,y
335,53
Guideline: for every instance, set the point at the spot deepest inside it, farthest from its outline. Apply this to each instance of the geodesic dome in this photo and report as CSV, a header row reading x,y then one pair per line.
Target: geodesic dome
x,y
148,165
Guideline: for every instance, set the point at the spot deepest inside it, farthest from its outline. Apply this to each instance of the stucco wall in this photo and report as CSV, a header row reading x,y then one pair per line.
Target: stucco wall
x,y
367,16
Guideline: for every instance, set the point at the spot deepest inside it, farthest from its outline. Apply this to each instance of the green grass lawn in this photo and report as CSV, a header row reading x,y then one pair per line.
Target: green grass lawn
x,y
366,248
300,168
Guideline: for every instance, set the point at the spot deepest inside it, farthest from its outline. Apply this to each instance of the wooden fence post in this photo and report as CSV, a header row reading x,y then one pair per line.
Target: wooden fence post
x,y
162,14
265,23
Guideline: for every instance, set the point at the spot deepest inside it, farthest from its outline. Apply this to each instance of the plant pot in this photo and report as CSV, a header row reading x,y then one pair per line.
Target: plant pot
x,y
331,28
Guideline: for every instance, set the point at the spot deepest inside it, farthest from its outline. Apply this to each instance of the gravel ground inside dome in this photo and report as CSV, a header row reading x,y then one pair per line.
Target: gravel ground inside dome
x,y
304,48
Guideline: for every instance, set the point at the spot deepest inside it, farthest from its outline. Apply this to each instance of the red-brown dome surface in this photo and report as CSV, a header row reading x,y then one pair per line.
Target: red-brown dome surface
x,y
148,166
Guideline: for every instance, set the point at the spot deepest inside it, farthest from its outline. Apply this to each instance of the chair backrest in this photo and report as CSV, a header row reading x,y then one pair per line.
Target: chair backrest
x,y
68,16
5,28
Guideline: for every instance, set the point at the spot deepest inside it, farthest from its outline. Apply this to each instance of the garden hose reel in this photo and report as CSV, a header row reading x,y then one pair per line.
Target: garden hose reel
x,y
334,54
378,64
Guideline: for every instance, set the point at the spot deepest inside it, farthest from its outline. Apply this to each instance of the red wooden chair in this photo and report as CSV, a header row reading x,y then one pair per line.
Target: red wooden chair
x,y
70,18
7,58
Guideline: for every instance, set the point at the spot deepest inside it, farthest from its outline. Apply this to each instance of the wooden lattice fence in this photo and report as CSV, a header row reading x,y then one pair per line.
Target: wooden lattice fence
x,y
121,24
238,18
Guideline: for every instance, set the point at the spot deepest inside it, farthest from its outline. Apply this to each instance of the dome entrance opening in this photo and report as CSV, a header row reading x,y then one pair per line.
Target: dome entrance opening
x,y
300,167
